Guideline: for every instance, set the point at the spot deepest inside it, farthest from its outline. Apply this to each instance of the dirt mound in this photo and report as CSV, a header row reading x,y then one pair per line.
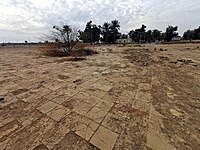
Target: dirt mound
x,y
139,56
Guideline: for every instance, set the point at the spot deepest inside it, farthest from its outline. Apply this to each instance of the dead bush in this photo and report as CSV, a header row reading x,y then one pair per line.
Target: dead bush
x,y
61,50
66,43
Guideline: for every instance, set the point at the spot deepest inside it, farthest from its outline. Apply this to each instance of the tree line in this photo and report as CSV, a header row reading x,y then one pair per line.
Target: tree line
x,y
142,36
108,33
192,34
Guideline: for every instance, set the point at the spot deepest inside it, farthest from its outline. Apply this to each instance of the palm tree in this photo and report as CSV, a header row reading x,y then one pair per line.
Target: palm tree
x,y
89,30
64,32
115,26
142,31
106,27
66,35
67,30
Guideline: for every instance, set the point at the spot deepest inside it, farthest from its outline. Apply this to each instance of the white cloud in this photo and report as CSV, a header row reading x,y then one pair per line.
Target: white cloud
x,y
20,18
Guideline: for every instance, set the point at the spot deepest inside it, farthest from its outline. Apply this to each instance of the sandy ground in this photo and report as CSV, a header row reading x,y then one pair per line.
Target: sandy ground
x,y
126,97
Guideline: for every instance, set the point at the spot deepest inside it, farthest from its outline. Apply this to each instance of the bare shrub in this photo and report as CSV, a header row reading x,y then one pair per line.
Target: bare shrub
x,y
64,39
59,50
65,43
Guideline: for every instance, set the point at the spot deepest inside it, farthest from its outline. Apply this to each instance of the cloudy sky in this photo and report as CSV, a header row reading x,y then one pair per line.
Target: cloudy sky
x,y
24,19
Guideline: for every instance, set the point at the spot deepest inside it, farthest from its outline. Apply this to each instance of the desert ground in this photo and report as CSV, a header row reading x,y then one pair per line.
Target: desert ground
x,y
127,97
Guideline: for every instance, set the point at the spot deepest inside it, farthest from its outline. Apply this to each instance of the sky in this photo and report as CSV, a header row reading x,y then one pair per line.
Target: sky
x,y
22,20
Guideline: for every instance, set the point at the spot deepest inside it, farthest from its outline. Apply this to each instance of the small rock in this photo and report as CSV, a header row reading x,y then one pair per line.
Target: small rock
x,y
189,61
181,60
195,65
145,64
188,132
117,102
78,81
175,113
181,140
174,62
1,98
73,129
105,72
123,66
95,73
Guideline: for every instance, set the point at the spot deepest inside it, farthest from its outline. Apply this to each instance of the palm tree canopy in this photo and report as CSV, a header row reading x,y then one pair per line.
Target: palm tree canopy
x,y
106,26
115,24
67,28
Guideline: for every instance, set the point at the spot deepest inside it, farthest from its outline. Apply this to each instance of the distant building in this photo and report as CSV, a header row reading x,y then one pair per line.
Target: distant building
x,y
177,38
127,40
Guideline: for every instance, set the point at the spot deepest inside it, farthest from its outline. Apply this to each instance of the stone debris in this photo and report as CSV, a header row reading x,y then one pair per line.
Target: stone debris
x,y
175,113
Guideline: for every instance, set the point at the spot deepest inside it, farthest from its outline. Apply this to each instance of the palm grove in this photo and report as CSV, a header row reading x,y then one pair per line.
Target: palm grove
x,y
108,33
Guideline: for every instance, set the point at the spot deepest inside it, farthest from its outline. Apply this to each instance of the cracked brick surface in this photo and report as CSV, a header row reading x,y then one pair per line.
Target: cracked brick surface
x,y
106,102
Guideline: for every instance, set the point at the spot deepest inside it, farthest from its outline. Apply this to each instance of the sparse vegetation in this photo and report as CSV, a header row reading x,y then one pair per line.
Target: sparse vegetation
x,y
65,43
59,50
192,34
